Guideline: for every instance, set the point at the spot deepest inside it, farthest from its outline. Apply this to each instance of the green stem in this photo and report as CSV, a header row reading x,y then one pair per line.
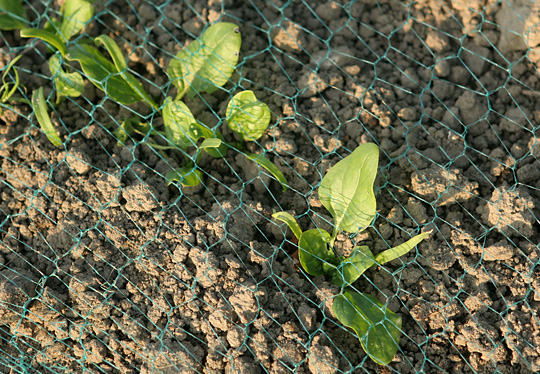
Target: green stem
x,y
335,233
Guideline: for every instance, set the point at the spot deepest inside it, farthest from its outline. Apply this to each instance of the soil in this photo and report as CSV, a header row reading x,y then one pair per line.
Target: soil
x,y
104,268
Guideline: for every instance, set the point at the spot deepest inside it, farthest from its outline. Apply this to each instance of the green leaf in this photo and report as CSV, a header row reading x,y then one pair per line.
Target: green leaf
x,y
290,221
400,250
268,165
347,189
121,67
42,115
47,37
67,84
211,143
215,147
123,132
181,128
103,74
352,267
208,62
187,176
377,327
8,88
247,116
314,253
12,15
75,15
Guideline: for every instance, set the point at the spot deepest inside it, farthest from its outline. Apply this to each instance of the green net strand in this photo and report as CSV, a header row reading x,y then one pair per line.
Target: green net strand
x,y
105,267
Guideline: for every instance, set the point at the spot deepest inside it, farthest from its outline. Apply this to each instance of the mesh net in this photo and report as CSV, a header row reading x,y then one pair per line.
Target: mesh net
x,y
105,268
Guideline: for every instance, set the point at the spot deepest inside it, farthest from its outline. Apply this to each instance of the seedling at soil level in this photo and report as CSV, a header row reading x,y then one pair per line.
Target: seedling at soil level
x,y
346,191
8,88
203,66
75,14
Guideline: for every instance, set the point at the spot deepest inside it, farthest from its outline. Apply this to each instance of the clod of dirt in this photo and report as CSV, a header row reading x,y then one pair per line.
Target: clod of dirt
x,y
444,186
322,358
509,211
16,288
288,36
139,198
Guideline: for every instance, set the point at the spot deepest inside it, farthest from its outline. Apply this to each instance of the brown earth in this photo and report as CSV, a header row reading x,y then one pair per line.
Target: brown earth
x,y
104,268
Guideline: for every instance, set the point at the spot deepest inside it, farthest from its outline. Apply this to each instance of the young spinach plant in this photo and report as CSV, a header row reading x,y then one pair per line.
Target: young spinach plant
x,y
75,14
203,66
9,88
346,191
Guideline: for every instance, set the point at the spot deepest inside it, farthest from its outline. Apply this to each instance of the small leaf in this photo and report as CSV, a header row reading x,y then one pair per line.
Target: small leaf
x,y
12,15
377,327
123,132
103,74
313,251
268,165
67,84
247,116
400,250
187,176
121,67
75,15
181,128
352,267
208,62
211,143
290,221
47,37
8,88
219,151
347,189
42,115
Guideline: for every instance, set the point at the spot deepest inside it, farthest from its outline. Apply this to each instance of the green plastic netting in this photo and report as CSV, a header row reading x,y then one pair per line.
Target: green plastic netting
x,y
105,268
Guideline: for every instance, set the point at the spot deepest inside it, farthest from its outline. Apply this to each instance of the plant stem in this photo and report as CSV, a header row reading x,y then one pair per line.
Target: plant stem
x,y
334,236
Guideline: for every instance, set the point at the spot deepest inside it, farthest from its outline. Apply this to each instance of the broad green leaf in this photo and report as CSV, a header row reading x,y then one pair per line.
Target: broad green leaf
x,y
187,176
103,74
352,267
42,115
347,189
268,165
181,128
290,221
313,251
121,67
47,37
67,84
400,250
75,15
8,88
208,62
377,327
247,116
12,15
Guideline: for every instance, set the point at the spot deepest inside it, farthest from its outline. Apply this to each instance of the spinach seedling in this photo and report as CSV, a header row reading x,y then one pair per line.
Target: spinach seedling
x,y
346,191
75,14
8,88
203,66
12,15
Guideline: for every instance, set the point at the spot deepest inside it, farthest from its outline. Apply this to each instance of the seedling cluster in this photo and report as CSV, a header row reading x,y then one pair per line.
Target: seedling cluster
x,y
204,66
346,191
